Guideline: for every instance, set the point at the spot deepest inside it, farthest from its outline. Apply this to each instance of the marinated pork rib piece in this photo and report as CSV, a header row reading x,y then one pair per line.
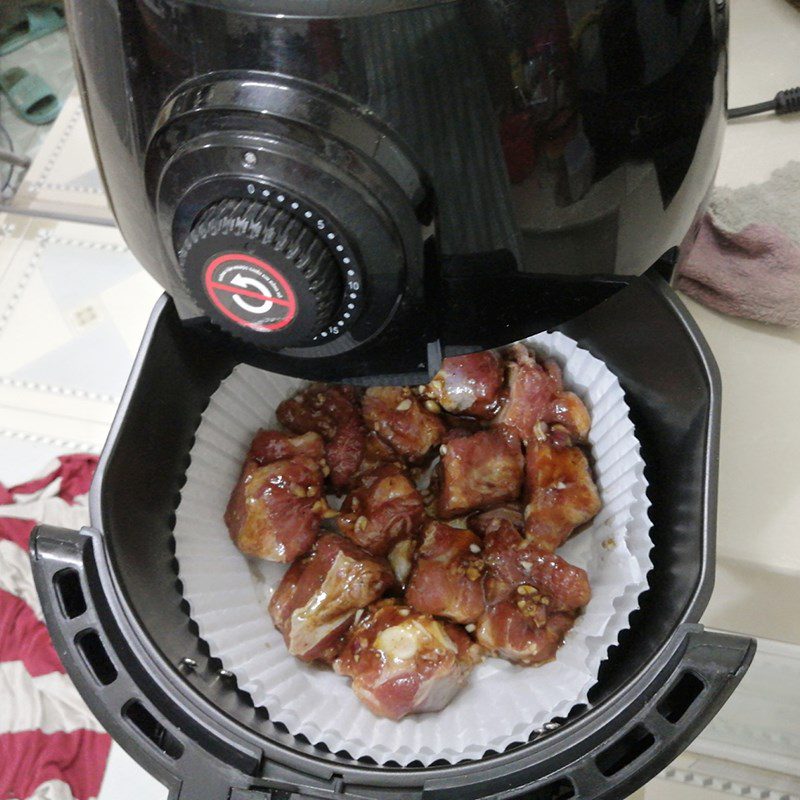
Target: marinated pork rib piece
x,y
468,384
401,420
320,596
447,577
384,509
333,412
531,389
523,631
560,492
536,393
276,507
402,662
478,471
567,409
532,596
512,562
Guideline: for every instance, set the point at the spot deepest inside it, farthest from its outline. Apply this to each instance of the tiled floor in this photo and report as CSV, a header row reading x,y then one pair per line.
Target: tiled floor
x,y
73,304
63,180
693,777
48,57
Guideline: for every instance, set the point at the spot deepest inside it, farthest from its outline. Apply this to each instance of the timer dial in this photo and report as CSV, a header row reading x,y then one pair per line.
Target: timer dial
x,y
261,273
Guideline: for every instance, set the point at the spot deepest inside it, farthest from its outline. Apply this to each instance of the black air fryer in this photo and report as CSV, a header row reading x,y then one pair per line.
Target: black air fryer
x,y
351,190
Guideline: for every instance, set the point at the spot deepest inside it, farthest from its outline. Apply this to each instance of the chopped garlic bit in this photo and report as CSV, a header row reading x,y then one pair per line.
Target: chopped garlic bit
x,y
473,574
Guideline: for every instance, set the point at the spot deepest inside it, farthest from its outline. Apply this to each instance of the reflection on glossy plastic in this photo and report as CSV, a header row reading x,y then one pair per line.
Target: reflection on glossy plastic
x,y
496,139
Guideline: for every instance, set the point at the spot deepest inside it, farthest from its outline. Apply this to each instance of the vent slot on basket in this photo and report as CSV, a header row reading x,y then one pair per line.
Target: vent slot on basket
x,y
96,657
148,725
625,750
556,790
680,698
67,584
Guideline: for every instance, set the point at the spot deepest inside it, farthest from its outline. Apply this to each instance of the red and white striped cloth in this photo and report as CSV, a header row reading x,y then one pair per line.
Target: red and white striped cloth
x,y
51,747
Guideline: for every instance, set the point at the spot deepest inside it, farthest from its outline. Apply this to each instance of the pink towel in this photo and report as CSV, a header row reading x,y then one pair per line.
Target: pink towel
x,y
50,744
745,260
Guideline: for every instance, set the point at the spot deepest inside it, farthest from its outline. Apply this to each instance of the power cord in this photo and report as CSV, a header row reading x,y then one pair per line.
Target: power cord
x,y
785,102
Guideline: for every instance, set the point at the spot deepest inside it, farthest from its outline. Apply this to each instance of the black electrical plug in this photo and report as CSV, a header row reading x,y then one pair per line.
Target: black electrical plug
x,y
785,102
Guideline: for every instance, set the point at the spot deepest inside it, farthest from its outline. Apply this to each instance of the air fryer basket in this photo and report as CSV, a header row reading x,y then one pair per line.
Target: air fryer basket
x,y
114,606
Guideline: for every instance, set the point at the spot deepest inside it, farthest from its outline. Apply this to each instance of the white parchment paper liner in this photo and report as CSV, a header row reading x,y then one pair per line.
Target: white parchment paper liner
x,y
503,703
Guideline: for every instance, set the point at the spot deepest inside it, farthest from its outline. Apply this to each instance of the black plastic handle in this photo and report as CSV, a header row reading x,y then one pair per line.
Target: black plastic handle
x,y
123,693
707,668
629,740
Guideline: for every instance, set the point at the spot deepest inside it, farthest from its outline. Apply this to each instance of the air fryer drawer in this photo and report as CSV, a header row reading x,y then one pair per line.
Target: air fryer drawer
x,y
113,602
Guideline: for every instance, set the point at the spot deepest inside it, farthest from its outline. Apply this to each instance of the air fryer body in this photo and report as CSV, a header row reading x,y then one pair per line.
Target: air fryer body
x,y
386,171
352,189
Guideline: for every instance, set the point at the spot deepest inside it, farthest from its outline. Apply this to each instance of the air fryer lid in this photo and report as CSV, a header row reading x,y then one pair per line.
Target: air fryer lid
x,y
114,607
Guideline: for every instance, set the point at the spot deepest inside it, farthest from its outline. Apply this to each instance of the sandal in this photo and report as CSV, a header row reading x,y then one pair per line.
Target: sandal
x,y
38,21
30,96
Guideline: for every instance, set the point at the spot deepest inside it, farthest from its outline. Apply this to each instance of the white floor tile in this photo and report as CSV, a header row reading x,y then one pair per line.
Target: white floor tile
x,y
670,790
63,180
73,307
124,779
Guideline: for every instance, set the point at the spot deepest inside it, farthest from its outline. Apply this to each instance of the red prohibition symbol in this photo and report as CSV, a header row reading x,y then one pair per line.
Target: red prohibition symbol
x,y
250,292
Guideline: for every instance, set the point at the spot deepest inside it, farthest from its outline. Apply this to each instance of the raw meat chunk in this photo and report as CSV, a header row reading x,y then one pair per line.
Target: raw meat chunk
x,y
536,394
402,421
479,471
468,384
275,509
447,579
560,492
383,510
402,662
333,412
320,596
